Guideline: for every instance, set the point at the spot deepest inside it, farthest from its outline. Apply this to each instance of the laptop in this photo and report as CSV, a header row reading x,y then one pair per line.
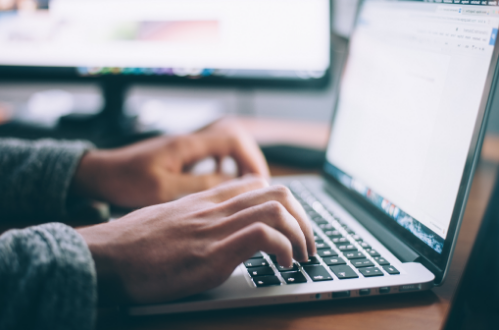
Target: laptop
x,y
405,139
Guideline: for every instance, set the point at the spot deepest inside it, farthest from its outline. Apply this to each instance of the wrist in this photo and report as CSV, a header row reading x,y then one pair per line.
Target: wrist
x,y
109,286
89,176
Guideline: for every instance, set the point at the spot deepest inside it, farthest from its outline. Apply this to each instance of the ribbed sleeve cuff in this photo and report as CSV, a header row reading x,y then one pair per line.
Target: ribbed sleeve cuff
x,y
60,165
48,279
35,177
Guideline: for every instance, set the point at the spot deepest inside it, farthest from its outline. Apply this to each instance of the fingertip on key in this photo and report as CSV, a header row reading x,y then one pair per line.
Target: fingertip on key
x,y
286,264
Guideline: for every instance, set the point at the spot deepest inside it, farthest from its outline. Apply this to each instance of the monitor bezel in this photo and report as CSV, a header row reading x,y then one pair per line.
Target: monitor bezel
x,y
437,263
57,74
23,73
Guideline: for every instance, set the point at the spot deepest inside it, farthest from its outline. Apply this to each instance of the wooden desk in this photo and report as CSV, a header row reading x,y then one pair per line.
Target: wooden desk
x,y
423,310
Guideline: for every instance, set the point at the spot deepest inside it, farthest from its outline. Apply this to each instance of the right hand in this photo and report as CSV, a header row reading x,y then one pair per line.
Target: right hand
x,y
173,250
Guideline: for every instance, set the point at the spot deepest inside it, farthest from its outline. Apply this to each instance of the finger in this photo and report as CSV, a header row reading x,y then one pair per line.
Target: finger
x,y
186,184
227,138
280,194
236,187
241,245
248,156
273,214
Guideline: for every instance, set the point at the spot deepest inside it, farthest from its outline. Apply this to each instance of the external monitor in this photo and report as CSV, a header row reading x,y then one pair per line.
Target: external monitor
x,y
233,42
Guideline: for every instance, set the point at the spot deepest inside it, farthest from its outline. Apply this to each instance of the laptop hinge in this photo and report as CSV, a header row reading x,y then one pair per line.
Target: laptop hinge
x,y
403,252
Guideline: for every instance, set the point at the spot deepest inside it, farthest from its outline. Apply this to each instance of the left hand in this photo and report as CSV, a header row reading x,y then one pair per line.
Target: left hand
x,y
154,171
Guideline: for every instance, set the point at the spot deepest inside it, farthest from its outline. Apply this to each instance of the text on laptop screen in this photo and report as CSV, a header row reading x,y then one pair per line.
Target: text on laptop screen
x,y
408,105
247,38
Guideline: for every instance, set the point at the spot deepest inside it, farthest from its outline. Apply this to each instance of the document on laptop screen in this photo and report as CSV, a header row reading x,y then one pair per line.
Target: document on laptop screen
x,y
409,101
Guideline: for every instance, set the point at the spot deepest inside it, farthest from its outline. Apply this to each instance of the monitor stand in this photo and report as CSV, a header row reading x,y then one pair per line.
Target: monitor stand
x,y
109,128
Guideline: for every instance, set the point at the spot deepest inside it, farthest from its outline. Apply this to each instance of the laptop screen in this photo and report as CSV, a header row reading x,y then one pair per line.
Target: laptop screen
x,y
409,101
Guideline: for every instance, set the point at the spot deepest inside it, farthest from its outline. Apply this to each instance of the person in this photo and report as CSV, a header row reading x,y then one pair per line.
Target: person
x,y
187,235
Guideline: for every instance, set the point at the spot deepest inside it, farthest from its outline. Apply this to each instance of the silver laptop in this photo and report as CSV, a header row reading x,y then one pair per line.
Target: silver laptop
x,y
405,140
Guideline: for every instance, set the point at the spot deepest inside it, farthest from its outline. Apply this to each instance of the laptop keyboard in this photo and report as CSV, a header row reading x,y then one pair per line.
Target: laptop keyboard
x,y
341,253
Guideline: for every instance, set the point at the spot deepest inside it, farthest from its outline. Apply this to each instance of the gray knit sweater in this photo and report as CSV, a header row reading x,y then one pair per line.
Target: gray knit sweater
x,y
47,275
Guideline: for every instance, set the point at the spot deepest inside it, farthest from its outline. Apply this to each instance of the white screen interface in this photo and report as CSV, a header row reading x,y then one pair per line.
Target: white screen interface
x,y
409,101
288,38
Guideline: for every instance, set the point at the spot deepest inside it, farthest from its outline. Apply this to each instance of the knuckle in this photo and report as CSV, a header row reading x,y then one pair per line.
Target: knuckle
x,y
282,192
274,209
260,230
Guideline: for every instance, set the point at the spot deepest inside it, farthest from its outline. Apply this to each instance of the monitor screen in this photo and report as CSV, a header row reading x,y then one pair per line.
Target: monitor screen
x,y
262,39
409,102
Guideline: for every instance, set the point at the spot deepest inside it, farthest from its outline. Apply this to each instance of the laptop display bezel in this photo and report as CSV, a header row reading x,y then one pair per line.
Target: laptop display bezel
x,y
437,263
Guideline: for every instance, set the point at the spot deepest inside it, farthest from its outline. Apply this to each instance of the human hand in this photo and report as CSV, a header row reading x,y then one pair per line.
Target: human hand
x,y
155,171
173,250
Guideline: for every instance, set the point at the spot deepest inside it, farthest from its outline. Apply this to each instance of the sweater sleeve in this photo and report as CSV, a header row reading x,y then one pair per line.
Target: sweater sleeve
x,y
35,176
47,279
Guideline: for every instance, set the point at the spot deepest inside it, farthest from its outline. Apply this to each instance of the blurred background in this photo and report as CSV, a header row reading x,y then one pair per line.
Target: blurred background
x,y
177,106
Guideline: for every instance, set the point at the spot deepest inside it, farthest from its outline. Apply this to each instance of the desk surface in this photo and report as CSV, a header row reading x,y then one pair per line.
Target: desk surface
x,y
423,310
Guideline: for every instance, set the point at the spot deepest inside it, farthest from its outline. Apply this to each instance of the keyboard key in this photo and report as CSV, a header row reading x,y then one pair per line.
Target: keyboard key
x,y
334,261
257,255
256,263
319,240
357,238
362,263
305,194
370,271
320,220
286,269
332,233
373,253
322,246
307,207
311,261
316,238
391,270
340,240
365,245
354,255
294,277
326,226
266,281
344,272
347,247
327,253
381,261
318,273
259,271
312,214
350,232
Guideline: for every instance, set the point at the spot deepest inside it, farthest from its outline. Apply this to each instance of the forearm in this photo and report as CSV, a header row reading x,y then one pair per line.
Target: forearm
x,y
35,177
47,279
